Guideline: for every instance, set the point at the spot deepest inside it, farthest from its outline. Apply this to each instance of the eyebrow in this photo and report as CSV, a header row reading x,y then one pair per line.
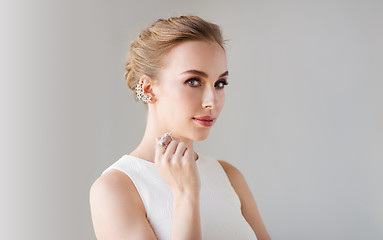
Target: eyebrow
x,y
203,74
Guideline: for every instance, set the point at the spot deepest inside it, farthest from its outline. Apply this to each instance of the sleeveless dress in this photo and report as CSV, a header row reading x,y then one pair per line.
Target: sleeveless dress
x,y
220,207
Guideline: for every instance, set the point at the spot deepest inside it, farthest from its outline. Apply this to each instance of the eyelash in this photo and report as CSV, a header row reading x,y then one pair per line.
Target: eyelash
x,y
224,82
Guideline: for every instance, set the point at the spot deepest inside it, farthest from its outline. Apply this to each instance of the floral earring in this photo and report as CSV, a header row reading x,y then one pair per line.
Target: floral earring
x,y
141,94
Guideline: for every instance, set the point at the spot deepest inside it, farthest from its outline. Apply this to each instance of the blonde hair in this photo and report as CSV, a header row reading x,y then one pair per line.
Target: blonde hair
x,y
153,43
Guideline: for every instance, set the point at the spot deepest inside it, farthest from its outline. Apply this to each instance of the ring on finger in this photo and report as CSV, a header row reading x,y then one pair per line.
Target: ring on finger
x,y
164,141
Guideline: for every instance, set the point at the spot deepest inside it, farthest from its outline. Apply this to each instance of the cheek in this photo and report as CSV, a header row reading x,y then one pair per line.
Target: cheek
x,y
186,102
221,100
181,93
183,98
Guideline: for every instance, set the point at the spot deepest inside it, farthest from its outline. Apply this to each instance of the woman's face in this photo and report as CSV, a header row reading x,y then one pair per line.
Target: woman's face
x,y
191,86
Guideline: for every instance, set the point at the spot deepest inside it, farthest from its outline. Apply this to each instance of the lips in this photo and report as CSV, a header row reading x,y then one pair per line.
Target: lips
x,y
205,121
205,118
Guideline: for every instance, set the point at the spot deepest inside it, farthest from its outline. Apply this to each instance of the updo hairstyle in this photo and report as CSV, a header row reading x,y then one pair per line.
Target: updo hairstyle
x,y
147,52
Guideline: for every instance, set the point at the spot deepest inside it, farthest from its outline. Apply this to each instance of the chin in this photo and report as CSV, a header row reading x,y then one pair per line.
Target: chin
x,y
200,136
194,136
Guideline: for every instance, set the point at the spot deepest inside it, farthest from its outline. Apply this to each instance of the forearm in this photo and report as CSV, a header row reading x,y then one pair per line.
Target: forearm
x,y
186,223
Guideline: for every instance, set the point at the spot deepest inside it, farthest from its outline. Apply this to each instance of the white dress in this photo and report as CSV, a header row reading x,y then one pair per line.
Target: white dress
x,y
220,208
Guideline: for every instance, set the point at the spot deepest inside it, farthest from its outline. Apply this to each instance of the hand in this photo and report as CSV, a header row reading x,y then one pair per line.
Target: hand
x,y
177,167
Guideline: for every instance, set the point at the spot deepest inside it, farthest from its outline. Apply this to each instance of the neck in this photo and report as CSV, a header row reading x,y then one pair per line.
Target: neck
x,y
146,149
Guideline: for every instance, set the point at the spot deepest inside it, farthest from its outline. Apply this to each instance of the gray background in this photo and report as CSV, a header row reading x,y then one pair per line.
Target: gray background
x,y
302,121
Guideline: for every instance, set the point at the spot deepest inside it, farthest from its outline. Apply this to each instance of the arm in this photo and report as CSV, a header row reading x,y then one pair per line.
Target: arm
x,y
118,212
248,206
186,217
117,209
176,165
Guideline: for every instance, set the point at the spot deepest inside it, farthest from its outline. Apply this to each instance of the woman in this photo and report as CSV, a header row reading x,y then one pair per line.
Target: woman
x,y
164,189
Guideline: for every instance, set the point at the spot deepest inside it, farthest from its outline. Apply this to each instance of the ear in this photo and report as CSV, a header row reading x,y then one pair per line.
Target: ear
x,y
147,87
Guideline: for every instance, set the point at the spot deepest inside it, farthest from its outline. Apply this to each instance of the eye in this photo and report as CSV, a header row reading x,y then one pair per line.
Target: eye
x,y
193,82
221,84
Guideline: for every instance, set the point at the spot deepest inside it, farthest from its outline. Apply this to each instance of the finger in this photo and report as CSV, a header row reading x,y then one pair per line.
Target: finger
x,y
181,147
158,144
159,152
188,156
170,149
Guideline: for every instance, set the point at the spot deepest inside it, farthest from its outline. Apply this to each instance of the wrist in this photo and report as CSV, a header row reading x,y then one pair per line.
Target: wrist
x,y
191,196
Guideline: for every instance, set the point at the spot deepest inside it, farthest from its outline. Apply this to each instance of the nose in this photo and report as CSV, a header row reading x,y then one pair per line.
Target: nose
x,y
209,98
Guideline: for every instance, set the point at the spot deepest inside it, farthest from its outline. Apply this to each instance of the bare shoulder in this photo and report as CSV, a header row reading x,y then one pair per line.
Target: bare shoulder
x,y
115,185
116,208
248,205
237,181
235,176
